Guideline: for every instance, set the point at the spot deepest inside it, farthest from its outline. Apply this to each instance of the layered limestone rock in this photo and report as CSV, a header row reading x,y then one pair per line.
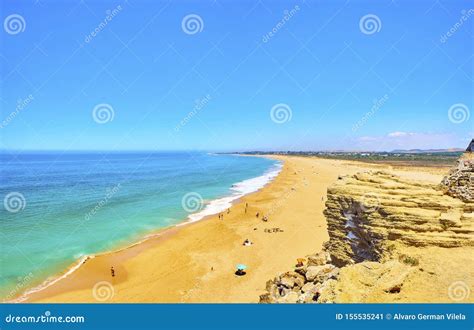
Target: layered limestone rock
x,y
373,219
366,211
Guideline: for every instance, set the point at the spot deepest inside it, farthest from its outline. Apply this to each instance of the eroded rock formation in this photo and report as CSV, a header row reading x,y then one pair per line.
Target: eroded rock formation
x,y
459,182
372,218
366,211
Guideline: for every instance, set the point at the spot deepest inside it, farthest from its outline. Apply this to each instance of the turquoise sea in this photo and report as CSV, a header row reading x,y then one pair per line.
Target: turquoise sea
x,y
61,207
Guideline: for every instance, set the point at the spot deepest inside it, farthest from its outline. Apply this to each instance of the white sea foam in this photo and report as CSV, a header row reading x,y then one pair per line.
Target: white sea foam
x,y
52,280
215,206
238,190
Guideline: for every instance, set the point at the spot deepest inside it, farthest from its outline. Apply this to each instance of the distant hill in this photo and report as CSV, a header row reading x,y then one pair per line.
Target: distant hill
x,y
422,151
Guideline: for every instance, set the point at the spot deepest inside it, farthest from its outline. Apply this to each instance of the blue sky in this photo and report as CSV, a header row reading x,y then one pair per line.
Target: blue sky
x,y
164,85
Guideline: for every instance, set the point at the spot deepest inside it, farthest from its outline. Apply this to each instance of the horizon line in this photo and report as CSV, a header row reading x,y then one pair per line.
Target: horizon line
x,y
453,149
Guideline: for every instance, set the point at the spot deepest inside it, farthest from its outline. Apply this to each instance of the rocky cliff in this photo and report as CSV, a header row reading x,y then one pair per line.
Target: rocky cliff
x,y
373,219
367,211
459,182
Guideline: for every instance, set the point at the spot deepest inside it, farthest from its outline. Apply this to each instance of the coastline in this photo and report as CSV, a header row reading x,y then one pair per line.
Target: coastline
x,y
156,235
195,262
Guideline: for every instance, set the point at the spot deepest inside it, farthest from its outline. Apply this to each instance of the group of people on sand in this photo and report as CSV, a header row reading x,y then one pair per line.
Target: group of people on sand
x,y
264,218
221,215
247,242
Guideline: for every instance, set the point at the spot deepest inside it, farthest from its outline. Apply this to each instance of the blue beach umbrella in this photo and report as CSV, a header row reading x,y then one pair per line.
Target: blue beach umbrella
x,y
241,267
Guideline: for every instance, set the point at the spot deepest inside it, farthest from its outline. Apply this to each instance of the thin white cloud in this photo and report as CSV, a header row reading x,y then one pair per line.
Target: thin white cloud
x,y
400,134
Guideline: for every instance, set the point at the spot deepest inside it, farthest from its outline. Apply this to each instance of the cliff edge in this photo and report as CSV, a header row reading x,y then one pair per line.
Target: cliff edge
x,y
390,239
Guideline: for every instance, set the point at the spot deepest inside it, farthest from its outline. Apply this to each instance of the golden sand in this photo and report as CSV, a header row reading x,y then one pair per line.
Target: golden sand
x,y
196,262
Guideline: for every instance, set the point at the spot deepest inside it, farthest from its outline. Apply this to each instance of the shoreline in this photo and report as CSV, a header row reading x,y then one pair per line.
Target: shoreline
x,y
195,262
154,235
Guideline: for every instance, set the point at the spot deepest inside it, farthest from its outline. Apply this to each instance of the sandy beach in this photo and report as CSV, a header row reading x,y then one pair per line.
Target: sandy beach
x,y
196,262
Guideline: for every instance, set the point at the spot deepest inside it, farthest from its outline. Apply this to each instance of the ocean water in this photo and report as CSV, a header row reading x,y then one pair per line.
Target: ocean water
x,y
58,208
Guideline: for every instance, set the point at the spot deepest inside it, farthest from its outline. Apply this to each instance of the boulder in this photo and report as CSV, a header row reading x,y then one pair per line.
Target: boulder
x,y
299,281
288,281
312,271
290,298
269,284
291,279
318,259
282,291
306,298
309,287
265,299
301,270
459,183
327,292
318,273
333,274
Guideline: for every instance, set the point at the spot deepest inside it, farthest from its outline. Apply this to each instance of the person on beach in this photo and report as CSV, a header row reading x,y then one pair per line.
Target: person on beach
x,y
246,207
112,271
240,272
300,262
257,214
228,211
